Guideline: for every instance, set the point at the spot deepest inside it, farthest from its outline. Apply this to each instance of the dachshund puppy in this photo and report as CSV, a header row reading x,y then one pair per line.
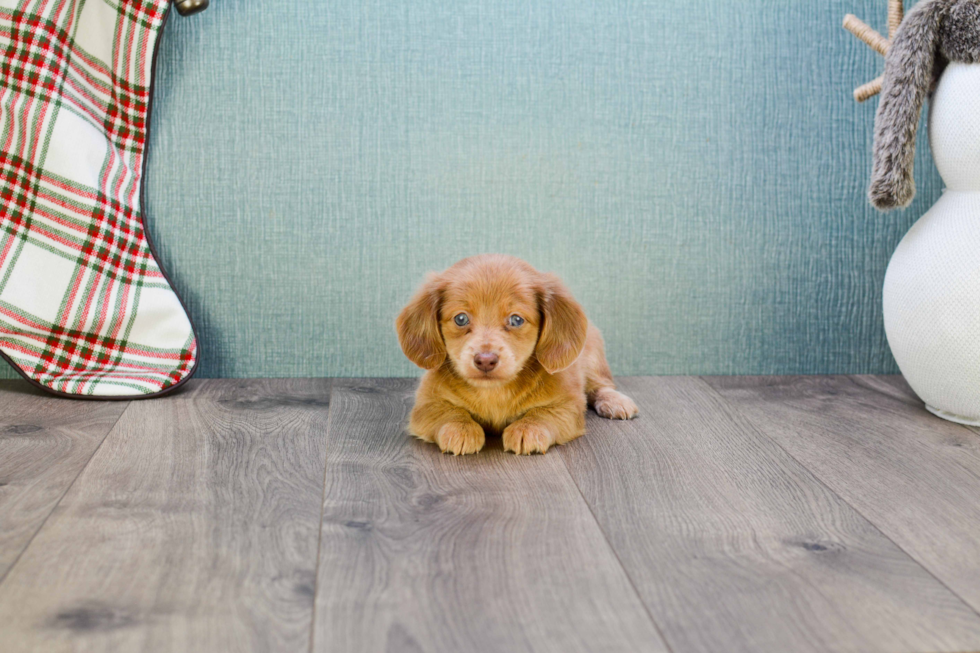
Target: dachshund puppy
x,y
508,351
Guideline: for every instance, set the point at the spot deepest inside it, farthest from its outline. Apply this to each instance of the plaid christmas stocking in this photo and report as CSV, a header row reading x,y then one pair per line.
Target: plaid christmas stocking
x,y
85,310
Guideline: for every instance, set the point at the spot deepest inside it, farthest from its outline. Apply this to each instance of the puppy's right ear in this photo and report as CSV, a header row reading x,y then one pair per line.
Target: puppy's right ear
x,y
418,325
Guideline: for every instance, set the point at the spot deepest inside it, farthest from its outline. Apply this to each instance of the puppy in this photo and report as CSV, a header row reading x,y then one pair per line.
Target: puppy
x,y
508,351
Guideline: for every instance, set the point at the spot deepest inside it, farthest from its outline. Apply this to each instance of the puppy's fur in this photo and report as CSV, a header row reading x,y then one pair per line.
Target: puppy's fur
x,y
547,368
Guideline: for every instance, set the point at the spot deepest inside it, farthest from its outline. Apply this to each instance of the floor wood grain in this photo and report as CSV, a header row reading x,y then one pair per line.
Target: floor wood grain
x,y
915,476
735,546
736,514
193,528
421,551
44,444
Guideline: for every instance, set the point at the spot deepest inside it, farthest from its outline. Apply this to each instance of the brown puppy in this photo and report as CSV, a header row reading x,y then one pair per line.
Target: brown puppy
x,y
508,351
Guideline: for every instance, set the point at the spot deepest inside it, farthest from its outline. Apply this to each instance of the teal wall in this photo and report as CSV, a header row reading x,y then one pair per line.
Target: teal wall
x,y
694,169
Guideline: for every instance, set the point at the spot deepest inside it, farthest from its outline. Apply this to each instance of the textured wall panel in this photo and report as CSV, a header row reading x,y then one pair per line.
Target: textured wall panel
x,y
694,169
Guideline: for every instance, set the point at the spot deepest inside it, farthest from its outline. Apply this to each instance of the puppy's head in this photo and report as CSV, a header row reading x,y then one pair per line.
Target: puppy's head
x,y
490,315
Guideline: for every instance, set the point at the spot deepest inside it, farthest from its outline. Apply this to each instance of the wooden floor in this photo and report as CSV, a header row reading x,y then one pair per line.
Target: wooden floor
x,y
735,514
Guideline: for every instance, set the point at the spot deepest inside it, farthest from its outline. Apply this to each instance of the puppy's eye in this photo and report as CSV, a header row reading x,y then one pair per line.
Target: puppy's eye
x,y
462,319
515,320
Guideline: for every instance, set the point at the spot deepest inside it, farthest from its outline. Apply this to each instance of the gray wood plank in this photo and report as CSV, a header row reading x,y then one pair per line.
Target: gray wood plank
x,y
893,385
193,528
45,441
898,388
915,476
422,551
734,546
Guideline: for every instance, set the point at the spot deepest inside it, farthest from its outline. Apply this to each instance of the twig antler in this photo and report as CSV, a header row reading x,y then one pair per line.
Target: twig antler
x,y
877,42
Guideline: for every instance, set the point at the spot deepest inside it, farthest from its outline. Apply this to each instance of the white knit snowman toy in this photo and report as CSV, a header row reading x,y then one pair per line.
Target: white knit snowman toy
x,y
931,295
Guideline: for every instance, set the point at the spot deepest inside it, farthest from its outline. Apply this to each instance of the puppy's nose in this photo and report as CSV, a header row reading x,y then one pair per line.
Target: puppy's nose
x,y
486,361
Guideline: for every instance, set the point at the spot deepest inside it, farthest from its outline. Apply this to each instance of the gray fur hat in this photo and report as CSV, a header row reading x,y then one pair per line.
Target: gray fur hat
x,y
934,33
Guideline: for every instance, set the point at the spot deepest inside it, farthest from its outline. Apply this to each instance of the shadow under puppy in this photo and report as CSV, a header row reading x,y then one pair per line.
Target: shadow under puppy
x,y
508,351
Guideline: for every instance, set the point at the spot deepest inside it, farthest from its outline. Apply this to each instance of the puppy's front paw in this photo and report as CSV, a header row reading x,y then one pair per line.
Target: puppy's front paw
x,y
615,405
526,438
460,438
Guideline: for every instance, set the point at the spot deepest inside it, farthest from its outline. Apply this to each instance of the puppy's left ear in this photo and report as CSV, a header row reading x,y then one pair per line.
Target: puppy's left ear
x,y
563,325
418,325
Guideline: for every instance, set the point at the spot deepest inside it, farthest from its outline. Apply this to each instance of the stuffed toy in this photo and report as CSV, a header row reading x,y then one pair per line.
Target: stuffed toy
x,y
85,309
934,34
931,294
878,43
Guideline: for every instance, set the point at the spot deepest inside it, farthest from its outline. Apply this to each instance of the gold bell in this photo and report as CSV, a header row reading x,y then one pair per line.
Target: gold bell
x,y
190,7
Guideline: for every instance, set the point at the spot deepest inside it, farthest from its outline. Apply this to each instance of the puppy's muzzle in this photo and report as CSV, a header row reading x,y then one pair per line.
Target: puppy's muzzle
x,y
486,361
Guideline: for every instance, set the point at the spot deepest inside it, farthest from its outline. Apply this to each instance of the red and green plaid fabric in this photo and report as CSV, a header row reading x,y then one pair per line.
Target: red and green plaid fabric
x,y
84,307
